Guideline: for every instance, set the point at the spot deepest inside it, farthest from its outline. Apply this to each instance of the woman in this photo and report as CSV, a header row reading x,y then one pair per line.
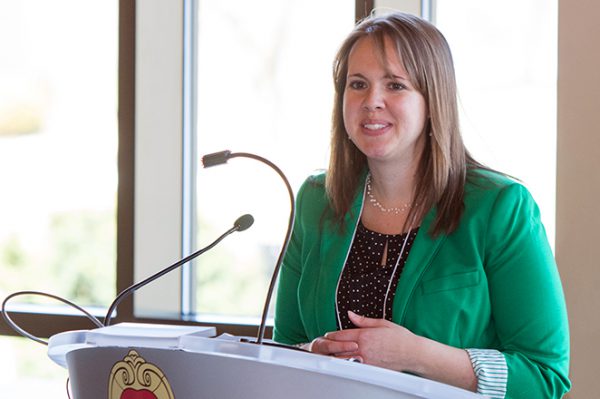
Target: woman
x,y
410,255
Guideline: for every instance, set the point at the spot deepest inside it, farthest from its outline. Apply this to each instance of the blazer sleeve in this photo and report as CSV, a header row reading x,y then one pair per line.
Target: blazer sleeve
x,y
526,296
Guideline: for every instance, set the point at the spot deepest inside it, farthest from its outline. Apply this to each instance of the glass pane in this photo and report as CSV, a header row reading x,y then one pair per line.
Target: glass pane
x,y
58,147
265,87
506,59
27,372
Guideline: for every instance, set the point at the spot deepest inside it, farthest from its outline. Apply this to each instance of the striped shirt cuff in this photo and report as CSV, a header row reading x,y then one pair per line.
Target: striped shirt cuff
x,y
491,372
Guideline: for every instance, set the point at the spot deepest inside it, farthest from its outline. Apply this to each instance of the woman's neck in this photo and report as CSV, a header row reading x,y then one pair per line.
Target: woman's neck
x,y
393,185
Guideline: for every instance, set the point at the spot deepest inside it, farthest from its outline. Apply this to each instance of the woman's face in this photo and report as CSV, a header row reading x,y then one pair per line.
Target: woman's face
x,y
384,114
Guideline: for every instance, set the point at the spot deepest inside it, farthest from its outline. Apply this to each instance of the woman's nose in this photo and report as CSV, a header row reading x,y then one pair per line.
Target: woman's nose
x,y
373,100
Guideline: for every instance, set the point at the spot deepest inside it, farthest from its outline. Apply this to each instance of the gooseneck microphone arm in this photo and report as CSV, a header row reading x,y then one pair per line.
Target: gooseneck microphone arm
x,y
222,157
241,224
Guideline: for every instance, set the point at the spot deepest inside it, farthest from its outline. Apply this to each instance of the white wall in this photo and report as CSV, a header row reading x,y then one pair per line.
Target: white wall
x,y
578,186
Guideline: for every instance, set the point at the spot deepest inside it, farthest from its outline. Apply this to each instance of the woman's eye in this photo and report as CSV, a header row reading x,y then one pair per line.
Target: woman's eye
x,y
396,86
357,85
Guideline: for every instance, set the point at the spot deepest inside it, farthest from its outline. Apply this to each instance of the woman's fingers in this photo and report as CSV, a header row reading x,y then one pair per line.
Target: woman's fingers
x,y
326,346
366,322
344,343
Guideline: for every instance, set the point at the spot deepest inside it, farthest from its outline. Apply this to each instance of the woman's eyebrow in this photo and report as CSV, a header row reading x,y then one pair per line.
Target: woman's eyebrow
x,y
393,76
356,75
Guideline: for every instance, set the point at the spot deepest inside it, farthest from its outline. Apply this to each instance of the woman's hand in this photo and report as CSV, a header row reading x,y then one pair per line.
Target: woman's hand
x,y
330,347
382,343
375,341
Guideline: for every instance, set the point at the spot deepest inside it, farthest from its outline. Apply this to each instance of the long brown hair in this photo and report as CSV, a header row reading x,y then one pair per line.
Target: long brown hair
x,y
442,168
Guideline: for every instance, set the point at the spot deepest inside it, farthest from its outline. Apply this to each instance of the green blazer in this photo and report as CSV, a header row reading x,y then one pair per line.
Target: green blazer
x,y
491,284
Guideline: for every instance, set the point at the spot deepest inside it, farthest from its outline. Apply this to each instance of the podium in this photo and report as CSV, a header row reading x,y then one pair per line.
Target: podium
x,y
143,361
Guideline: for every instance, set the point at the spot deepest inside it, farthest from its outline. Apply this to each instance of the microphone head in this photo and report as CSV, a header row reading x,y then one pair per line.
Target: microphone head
x,y
216,158
243,222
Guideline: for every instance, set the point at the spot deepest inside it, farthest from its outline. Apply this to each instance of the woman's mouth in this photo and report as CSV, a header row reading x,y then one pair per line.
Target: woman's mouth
x,y
374,126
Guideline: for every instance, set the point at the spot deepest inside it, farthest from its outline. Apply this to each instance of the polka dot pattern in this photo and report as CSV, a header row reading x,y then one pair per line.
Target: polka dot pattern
x,y
367,273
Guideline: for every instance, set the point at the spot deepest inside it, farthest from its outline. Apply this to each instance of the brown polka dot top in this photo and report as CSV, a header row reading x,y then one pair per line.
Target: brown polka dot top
x,y
368,282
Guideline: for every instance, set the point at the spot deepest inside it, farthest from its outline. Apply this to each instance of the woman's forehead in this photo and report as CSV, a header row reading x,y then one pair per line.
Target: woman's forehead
x,y
383,48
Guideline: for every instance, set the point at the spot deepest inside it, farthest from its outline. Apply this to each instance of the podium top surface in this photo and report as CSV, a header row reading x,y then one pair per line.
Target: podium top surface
x,y
159,336
201,341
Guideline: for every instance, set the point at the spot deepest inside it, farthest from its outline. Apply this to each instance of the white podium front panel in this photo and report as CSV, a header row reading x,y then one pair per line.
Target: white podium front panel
x,y
109,364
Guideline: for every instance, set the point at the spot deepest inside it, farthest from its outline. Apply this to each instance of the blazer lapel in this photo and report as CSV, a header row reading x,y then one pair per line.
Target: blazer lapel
x,y
334,251
419,259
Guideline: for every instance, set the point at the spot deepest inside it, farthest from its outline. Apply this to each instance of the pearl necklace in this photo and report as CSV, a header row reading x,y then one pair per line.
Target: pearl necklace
x,y
377,204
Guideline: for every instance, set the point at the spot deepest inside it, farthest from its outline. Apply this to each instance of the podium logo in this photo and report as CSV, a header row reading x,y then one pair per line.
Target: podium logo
x,y
134,378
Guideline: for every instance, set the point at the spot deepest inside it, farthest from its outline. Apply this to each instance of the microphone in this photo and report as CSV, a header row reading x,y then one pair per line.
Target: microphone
x,y
242,223
221,157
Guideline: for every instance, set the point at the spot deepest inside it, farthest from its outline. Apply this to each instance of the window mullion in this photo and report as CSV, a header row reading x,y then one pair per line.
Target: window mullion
x,y
158,154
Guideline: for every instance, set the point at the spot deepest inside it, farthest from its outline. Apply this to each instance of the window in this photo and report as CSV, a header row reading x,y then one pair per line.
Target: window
x,y
58,172
58,136
259,66
506,62
264,87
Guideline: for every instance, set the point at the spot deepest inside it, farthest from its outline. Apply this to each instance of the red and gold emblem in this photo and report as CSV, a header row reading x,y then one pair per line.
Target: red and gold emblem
x,y
134,378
